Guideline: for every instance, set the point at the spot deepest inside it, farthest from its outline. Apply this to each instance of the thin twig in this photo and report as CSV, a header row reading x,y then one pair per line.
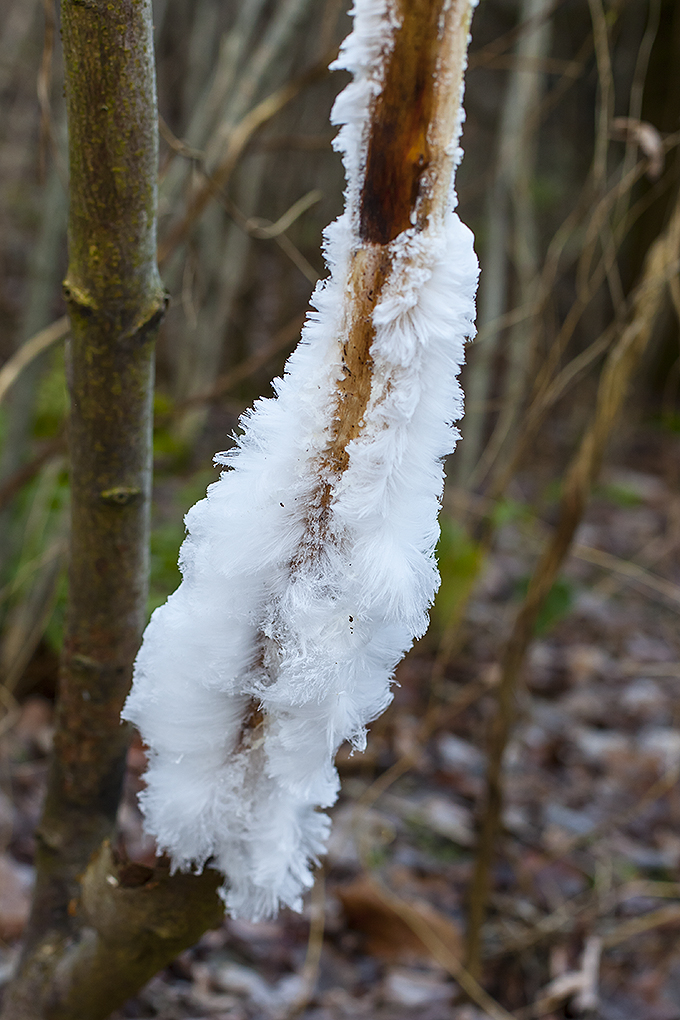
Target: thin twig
x,y
30,350
637,574
660,263
244,370
637,925
262,229
310,968
548,387
441,952
487,54
238,140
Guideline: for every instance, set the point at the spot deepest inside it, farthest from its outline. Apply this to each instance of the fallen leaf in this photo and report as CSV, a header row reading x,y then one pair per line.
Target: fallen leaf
x,y
388,936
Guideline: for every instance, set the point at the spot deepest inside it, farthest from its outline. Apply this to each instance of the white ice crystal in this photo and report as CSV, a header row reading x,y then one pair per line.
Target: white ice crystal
x,y
282,639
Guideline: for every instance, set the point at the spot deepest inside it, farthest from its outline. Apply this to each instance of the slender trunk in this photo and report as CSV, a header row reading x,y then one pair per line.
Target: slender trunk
x,y
116,300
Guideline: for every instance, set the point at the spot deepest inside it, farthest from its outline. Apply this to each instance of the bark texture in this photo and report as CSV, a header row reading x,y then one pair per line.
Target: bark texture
x,y
78,960
115,300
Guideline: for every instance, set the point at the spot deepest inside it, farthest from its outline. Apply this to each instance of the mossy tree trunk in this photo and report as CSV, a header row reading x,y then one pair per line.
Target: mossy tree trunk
x,y
74,956
115,300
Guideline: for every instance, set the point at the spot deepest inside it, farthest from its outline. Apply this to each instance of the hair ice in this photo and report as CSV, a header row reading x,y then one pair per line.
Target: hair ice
x,y
303,584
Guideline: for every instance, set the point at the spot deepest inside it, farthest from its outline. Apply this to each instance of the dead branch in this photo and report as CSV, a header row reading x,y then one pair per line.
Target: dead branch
x,y
660,264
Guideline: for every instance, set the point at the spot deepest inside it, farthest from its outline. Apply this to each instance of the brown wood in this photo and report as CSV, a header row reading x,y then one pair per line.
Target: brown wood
x,y
399,151
370,269
406,183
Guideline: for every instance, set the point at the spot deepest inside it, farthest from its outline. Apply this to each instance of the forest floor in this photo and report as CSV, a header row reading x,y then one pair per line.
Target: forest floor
x,y
585,913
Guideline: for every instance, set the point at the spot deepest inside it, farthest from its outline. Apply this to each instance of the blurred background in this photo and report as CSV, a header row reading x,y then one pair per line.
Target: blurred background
x,y
570,176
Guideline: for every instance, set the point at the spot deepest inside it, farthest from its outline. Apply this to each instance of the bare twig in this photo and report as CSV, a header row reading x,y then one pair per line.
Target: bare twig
x,y
441,952
283,339
310,968
637,925
637,574
660,263
238,140
264,230
548,387
487,54
30,350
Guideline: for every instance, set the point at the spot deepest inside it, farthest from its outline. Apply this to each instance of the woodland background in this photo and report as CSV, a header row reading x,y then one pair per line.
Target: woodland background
x,y
570,173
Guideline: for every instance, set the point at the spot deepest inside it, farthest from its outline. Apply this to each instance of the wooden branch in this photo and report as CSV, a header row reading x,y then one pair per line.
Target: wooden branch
x,y
623,360
406,183
239,139
133,921
115,300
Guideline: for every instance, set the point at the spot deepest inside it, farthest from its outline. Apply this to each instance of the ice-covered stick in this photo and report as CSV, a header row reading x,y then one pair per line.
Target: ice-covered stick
x,y
309,568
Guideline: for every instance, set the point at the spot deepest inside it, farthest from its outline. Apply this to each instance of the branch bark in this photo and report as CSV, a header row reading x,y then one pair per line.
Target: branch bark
x,y
116,301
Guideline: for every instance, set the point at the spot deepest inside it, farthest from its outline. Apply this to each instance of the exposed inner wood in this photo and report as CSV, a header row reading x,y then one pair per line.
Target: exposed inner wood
x,y
370,270
253,718
409,159
399,153
407,175
397,184
398,180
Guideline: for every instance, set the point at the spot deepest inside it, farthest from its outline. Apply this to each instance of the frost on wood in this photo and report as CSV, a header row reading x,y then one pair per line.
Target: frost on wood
x,y
309,568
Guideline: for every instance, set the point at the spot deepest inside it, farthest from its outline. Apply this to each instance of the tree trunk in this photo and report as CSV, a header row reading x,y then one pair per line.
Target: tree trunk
x,y
116,300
